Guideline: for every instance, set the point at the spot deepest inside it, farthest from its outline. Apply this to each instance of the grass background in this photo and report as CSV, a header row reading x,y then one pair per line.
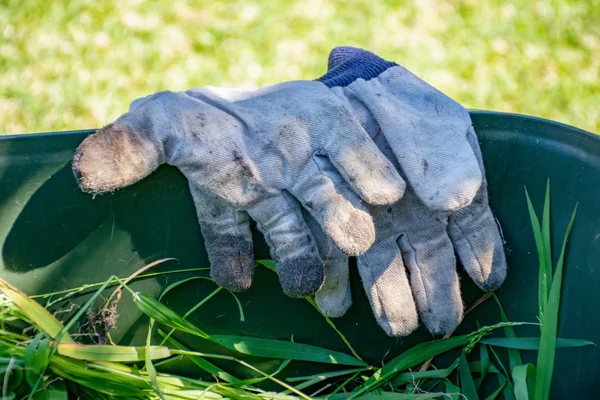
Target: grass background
x,y
77,64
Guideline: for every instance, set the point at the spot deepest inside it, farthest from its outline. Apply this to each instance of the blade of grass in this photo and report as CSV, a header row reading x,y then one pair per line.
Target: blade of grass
x,y
466,379
504,375
545,361
453,391
545,269
195,307
514,356
484,357
202,363
412,376
271,348
148,362
524,377
259,347
330,323
37,314
223,357
270,264
112,353
342,386
64,332
485,297
409,359
533,343
547,275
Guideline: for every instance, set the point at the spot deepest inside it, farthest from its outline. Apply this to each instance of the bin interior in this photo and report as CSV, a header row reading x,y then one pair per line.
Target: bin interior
x,y
55,237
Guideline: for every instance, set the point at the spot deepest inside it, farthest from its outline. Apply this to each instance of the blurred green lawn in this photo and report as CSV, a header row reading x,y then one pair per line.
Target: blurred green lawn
x,y
77,64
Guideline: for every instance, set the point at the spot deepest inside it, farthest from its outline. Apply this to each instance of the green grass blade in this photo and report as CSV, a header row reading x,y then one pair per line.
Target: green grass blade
x,y
203,363
164,315
504,375
466,379
453,391
533,343
259,347
544,270
409,377
271,348
270,264
148,362
524,378
399,396
112,353
38,315
514,356
330,323
546,354
484,357
410,358
547,275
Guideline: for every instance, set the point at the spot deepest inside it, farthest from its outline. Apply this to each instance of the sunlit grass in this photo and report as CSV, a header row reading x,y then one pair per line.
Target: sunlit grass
x,y
78,64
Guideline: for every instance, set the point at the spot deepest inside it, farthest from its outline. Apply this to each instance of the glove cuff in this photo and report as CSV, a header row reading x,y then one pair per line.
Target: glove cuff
x,y
347,64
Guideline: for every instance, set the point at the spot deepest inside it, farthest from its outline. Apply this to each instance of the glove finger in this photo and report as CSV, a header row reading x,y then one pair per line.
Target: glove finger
x,y
386,285
366,170
334,297
292,246
477,236
336,208
427,132
116,156
429,256
228,240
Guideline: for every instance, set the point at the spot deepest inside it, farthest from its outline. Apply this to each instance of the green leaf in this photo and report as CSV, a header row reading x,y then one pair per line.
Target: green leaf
x,y
524,377
30,362
259,347
203,363
399,396
269,264
164,315
37,314
148,362
410,358
546,278
453,391
408,377
484,356
112,353
545,361
532,343
271,348
466,379
544,268
514,356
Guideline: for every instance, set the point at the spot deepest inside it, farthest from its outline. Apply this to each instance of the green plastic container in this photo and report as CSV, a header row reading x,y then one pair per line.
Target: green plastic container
x,y
55,237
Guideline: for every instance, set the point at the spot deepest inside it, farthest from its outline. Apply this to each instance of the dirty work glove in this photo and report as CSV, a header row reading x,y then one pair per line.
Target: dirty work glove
x,y
253,154
411,267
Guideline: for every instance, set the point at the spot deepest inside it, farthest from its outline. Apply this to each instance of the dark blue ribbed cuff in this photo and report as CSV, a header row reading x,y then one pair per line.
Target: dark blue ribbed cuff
x,y
347,64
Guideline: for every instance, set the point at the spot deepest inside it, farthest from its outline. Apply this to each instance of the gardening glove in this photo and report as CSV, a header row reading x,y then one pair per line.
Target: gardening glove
x,y
253,154
411,267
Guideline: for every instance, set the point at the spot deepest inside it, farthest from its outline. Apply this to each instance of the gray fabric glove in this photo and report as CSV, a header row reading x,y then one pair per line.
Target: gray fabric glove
x,y
253,154
411,267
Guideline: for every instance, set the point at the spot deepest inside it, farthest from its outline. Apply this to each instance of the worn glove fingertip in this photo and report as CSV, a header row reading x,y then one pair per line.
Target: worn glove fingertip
x,y
439,324
231,259
301,276
353,236
388,192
